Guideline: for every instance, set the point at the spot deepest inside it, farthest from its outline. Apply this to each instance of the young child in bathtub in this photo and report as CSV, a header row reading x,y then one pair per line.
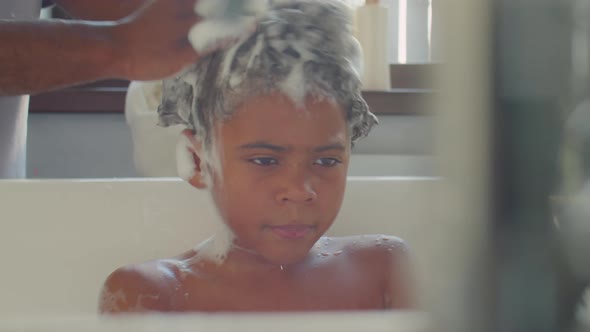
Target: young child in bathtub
x,y
270,123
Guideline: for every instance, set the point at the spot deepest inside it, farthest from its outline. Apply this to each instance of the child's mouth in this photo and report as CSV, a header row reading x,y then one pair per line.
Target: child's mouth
x,y
291,231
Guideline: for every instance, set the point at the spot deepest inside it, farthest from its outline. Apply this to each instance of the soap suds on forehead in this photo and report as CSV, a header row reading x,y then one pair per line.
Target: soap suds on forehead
x,y
300,48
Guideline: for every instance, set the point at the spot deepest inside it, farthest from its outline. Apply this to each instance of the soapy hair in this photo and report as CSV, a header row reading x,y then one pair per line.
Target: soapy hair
x,y
300,47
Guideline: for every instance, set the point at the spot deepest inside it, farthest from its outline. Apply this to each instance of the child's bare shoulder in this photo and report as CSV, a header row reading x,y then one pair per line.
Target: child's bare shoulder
x,y
376,253
140,287
373,244
385,259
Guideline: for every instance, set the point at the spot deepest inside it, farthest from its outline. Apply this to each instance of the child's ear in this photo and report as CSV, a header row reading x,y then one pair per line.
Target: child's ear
x,y
188,163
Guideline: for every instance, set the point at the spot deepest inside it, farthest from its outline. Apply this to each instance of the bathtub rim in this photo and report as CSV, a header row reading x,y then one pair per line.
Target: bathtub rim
x,y
366,321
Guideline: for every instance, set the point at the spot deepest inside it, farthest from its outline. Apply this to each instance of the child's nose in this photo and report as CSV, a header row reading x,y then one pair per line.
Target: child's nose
x,y
297,188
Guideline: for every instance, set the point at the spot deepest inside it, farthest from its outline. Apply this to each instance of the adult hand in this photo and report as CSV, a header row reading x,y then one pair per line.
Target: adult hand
x,y
153,43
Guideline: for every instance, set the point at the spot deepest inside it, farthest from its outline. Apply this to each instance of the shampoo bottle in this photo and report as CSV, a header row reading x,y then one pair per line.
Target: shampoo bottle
x,y
372,31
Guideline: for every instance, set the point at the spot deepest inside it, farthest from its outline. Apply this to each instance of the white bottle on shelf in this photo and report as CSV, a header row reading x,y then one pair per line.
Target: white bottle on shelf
x,y
372,31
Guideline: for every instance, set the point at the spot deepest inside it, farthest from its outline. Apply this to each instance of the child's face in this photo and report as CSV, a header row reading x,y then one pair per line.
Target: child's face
x,y
283,174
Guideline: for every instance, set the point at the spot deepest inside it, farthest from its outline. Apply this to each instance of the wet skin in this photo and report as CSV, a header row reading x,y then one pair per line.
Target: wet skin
x,y
352,273
279,188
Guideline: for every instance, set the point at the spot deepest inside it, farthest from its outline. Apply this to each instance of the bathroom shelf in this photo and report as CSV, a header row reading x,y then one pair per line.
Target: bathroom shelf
x,y
112,100
109,96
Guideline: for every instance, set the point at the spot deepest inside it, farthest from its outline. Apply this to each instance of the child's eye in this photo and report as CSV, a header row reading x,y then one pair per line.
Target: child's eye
x,y
264,161
327,162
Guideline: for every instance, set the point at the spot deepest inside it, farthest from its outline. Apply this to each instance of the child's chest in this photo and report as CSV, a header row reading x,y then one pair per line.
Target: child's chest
x,y
319,288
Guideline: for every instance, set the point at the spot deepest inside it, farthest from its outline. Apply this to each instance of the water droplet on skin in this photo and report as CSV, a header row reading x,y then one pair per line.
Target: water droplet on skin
x,y
282,268
186,296
337,252
325,254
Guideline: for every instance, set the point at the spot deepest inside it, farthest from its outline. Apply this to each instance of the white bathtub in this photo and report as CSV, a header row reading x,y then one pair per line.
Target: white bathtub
x,y
285,322
60,239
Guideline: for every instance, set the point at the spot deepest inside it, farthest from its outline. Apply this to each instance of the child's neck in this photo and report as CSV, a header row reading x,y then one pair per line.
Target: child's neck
x,y
248,259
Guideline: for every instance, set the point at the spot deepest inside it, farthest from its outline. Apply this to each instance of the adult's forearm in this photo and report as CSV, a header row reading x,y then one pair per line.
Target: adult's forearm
x,y
38,56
